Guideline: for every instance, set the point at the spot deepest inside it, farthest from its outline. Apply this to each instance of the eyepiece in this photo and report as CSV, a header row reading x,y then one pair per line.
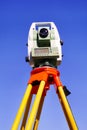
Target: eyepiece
x,y
43,33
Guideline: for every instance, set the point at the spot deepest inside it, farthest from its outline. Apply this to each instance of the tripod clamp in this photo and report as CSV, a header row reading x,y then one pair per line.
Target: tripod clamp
x,y
49,75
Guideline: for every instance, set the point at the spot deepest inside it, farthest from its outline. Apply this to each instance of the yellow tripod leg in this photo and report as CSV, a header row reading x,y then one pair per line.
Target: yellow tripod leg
x,y
38,113
26,112
66,109
21,108
35,106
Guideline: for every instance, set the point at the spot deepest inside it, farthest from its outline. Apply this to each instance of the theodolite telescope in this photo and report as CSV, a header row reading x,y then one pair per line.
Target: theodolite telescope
x,y
44,45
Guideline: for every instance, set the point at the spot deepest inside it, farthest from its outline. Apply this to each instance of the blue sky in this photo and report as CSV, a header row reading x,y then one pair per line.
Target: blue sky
x,y
70,17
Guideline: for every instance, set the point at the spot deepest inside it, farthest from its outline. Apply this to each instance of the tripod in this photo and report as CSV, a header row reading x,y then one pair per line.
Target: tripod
x,y
39,83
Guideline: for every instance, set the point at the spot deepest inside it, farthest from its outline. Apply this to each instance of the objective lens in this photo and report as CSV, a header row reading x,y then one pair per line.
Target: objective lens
x,y
43,33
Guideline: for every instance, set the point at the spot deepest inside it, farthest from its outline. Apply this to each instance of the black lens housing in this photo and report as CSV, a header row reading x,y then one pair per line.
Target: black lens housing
x,y
43,33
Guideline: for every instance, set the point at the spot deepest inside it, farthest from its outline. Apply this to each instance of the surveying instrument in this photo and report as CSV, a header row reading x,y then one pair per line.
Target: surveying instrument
x,y
44,55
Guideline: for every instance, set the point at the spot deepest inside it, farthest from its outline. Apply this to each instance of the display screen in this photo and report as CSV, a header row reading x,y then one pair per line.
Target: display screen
x,y
41,51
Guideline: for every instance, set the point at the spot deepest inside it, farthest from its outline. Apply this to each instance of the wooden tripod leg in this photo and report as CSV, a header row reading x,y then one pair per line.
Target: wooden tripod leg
x,y
26,112
22,107
66,108
38,113
35,106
